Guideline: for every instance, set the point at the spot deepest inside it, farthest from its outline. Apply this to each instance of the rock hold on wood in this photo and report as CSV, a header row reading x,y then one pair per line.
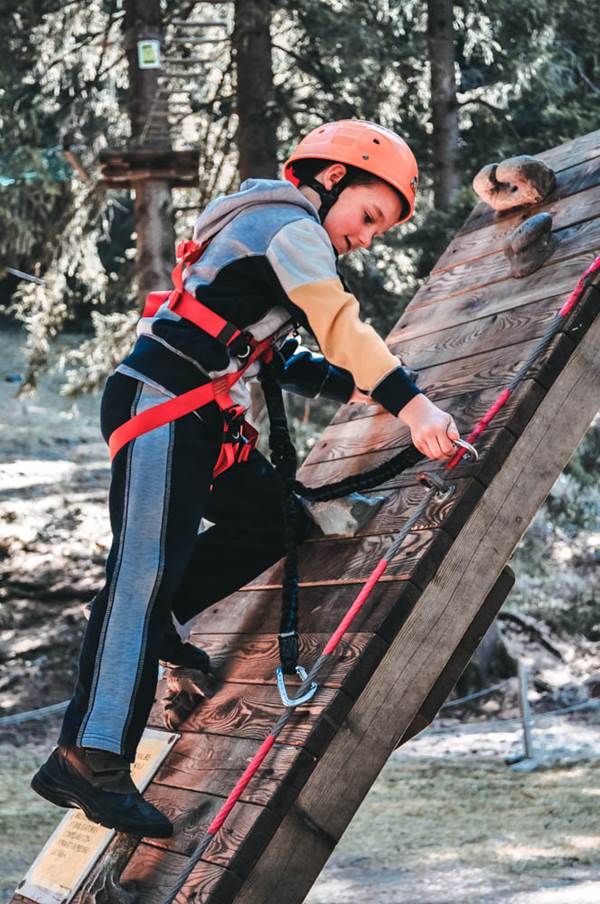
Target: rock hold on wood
x,y
186,688
530,245
346,516
515,182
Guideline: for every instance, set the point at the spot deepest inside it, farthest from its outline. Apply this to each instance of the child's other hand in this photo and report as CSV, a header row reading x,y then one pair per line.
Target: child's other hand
x,y
432,430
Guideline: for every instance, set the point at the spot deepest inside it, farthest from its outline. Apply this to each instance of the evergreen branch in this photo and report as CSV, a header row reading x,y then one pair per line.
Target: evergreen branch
x,y
497,111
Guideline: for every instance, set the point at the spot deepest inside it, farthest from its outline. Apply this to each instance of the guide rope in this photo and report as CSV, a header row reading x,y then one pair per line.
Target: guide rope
x,y
376,574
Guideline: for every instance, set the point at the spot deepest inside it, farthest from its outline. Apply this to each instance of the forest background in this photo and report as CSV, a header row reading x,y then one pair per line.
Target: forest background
x,y
467,83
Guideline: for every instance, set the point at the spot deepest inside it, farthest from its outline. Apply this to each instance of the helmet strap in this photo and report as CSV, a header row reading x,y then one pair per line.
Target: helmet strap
x,y
328,196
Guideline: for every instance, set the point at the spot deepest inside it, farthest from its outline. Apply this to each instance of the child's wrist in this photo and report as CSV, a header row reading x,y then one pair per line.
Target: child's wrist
x,y
414,410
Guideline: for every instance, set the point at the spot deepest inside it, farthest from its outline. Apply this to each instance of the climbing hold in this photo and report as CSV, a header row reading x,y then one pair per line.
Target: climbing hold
x,y
514,182
530,245
185,690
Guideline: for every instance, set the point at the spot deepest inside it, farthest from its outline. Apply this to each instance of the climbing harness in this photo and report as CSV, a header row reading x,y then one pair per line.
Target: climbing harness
x,y
436,487
239,437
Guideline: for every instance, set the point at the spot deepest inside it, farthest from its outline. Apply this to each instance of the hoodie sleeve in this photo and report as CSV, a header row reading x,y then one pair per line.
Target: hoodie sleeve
x,y
308,374
303,261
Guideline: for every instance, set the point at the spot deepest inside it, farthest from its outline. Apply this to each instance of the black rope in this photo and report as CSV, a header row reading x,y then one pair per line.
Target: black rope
x,y
284,459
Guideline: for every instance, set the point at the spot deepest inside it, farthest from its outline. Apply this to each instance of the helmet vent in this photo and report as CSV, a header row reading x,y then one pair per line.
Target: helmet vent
x,y
376,141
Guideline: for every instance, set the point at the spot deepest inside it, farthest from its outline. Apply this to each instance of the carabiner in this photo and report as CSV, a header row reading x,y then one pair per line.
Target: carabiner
x,y
471,452
292,702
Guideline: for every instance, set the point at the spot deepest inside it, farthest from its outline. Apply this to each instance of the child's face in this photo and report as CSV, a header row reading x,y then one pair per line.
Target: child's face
x,y
360,213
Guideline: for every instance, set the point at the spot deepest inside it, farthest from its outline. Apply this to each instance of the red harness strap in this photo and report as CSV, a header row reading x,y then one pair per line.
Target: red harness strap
x,y
184,404
187,305
240,437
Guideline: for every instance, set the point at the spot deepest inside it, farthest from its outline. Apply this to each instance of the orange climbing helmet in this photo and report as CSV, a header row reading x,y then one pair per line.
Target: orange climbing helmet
x,y
367,146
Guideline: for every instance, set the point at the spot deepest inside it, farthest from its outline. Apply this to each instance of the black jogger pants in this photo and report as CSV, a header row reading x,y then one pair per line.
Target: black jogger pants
x,y
161,488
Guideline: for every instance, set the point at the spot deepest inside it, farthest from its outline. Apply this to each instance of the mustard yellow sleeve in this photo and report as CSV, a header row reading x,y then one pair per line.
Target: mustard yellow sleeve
x,y
345,340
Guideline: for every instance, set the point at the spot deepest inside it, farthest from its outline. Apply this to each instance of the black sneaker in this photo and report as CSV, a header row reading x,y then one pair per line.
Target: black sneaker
x,y
100,784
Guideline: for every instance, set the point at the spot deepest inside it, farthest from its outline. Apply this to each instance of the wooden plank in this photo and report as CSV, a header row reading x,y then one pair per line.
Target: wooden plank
x,y
575,198
462,654
401,502
247,659
473,276
321,608
497,331
153,872
235,846
493,446
343,561
558,278
572,152
251,712
213,764
435,626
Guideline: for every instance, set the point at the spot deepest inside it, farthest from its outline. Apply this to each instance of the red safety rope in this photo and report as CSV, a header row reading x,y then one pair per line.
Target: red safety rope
x,y
365,592
504,396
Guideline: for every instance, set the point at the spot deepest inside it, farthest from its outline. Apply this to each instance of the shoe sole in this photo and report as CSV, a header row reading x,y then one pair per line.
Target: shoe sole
x,y
62,796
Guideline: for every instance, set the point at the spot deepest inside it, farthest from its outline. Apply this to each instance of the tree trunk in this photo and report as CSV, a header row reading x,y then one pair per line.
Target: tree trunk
x,y
148,114
256,107
444,108
257,118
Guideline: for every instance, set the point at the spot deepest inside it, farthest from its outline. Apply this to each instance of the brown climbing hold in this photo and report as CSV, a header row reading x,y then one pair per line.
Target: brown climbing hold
x,y
530,245
514,182
185,690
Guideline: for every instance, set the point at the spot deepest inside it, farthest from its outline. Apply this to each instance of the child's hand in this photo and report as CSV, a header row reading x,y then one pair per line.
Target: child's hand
x,y
432,430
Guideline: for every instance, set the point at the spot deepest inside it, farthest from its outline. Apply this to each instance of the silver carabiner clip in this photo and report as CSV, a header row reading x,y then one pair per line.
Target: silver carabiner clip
x,y
471,452
292,702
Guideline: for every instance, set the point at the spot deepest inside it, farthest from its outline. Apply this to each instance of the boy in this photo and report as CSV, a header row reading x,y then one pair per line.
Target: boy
x,y
267,264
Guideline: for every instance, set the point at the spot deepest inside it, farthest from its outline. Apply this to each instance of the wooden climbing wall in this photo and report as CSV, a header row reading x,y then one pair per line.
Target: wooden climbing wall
x,y
466,332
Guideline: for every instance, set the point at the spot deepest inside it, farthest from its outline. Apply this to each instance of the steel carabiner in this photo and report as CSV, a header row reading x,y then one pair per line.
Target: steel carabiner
x,y
292,702
471,452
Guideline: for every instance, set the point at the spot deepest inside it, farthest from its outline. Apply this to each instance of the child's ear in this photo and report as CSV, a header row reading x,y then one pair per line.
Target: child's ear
x,y
332,175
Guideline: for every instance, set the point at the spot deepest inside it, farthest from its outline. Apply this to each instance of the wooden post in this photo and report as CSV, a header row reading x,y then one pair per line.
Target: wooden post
x,y
153,210
526,761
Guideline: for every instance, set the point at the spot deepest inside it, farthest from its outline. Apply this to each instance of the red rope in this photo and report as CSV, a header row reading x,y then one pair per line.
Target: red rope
x,y
239,789
579,289
355,607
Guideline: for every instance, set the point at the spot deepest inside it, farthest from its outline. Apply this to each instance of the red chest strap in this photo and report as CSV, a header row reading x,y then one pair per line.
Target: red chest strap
x,y
188,306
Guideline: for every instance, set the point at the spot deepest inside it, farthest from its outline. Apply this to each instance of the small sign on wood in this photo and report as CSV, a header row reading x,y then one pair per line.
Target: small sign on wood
x,y
148,54
76,844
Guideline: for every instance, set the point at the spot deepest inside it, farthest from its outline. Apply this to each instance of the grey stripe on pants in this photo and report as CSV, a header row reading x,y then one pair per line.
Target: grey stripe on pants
x,y
135,582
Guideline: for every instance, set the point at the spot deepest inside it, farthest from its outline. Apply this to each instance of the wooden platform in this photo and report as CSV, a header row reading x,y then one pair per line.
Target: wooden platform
x,y
122,169
466,332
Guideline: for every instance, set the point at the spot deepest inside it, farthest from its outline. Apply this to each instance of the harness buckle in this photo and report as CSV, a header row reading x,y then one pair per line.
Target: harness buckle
x,y
242,346
292,702
234,420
